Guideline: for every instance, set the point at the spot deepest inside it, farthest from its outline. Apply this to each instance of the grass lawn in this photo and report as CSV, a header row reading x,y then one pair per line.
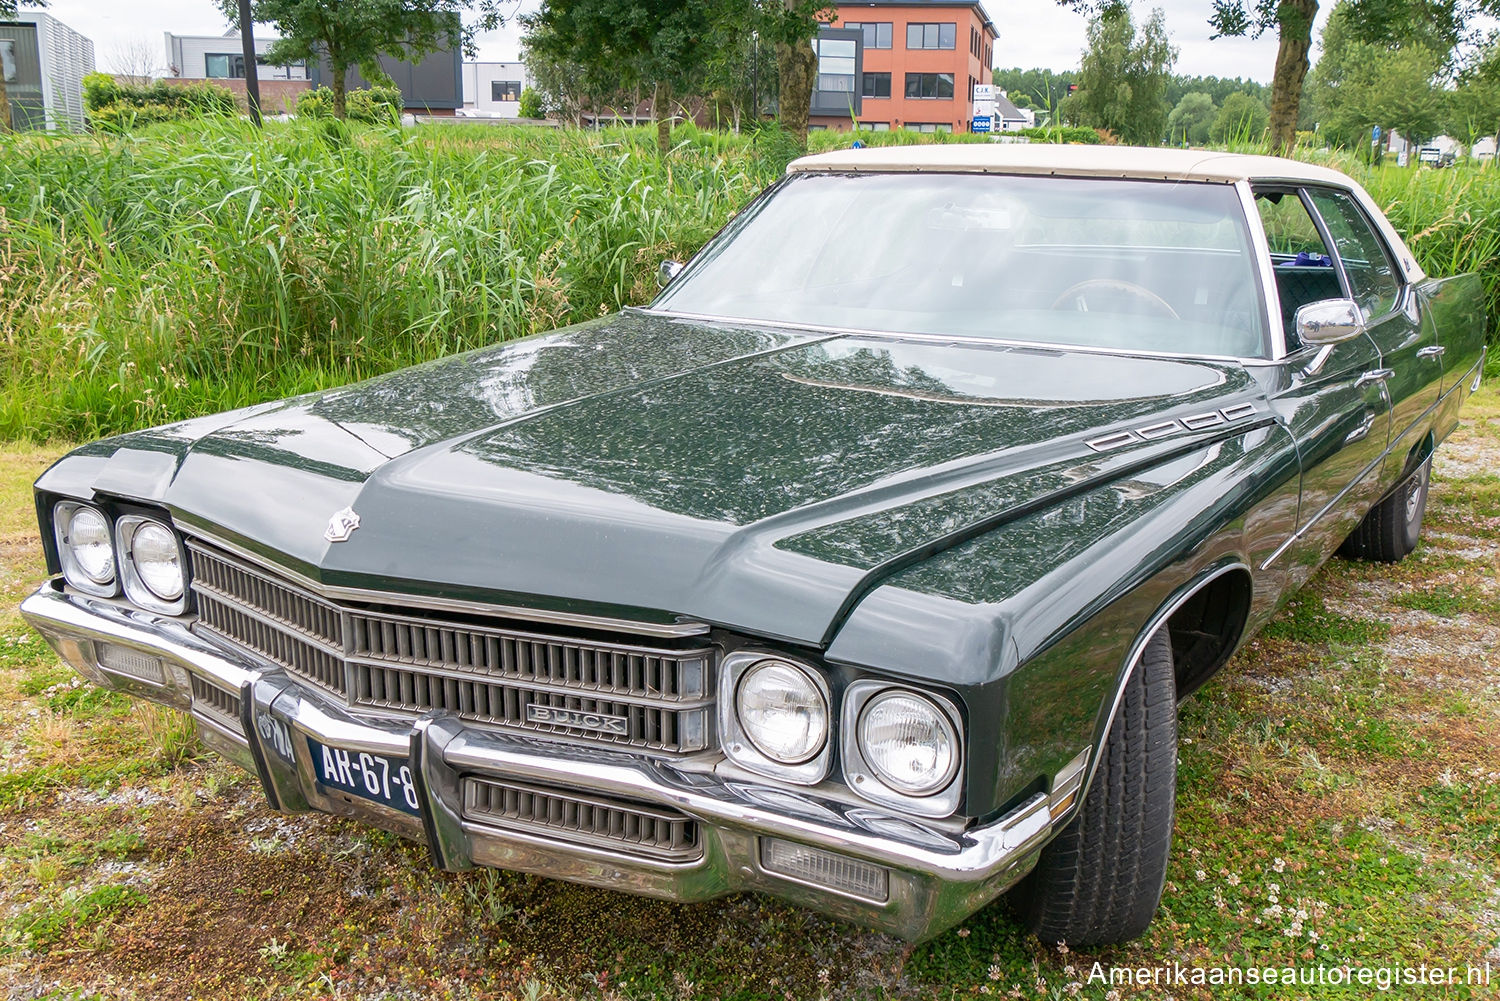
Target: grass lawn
x,y
1339,803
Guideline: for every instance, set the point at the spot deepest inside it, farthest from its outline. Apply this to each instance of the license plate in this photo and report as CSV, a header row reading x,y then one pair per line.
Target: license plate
x,y
380,778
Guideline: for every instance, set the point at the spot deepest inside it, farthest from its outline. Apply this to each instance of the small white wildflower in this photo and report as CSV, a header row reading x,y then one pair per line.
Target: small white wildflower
x,y
1278,864
1200,875
996,972
1234,879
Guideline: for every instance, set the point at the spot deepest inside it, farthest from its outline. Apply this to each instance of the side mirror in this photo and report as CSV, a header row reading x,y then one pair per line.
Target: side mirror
x,y
1329,322
666,271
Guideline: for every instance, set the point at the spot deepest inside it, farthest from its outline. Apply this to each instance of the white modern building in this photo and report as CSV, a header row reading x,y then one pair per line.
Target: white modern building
x,y
44,62
493,90
222,57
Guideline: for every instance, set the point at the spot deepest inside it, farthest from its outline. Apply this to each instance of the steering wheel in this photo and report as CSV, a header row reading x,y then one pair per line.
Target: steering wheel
x,y
1077,295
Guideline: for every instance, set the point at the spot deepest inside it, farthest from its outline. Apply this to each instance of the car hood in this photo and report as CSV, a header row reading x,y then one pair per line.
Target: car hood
x,y
658,467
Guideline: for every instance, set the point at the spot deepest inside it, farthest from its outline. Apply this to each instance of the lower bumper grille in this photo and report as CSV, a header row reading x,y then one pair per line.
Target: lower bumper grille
x,y
597,822
219,705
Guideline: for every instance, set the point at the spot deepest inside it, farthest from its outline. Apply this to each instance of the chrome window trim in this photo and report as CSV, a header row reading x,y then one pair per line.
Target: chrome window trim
x,y
736,743
894,335
862,779
375,597
1270,294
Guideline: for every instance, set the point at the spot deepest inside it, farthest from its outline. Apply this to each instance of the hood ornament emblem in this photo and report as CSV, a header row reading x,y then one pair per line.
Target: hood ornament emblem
x,y
341,525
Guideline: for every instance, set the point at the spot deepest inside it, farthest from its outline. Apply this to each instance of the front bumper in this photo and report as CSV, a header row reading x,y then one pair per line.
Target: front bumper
x,y
934,878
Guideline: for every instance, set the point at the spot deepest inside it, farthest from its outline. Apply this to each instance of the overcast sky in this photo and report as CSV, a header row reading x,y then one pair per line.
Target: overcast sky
x,y
1032,33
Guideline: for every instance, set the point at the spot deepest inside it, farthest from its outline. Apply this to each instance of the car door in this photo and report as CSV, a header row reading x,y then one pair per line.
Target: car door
x,y
1332,399
1410,355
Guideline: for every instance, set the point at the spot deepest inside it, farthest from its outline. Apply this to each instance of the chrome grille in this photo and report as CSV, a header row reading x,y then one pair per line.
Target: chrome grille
x,y
635,828
217,703
657,700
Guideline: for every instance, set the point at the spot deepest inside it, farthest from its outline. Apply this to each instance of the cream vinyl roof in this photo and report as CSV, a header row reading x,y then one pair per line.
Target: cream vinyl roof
x,y
1101,161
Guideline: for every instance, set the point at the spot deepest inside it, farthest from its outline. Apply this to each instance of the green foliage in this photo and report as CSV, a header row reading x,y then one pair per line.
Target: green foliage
x,y
116,107
1192,119
197,268
203,267
351,33
315,103
1358,84
531,104
1061,134
1123,79
1242,119
1474,105
378,105
41,926
1042,87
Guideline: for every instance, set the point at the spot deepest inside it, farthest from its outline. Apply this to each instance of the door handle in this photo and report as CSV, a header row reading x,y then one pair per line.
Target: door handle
x,y
1374,375
1432,351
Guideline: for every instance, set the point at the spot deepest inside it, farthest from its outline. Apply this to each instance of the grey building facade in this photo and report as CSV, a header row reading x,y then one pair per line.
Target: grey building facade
x,y
43,63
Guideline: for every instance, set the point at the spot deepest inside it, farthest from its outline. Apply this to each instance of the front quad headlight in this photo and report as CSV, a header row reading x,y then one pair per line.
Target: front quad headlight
x,y
150,563
85,547
908,742
902,747
775,717
783,712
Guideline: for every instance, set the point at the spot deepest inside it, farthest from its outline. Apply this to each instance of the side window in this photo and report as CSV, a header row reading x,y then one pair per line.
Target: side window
x,y
1372,277
1300,260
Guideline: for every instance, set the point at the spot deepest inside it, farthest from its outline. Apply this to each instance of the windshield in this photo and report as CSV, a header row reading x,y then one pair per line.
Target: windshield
x,y
1133,265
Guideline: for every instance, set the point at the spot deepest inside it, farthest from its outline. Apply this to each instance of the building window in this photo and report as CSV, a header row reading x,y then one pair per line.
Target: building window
x,y
835,64
932,36
928,127
929,86
877,85
505,90
873,126
972,82
877,33
218,66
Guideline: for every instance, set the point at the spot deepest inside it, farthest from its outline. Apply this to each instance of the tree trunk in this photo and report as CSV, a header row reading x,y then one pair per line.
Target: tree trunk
x,y
1291,70
4,106
797,65
340,102
661,110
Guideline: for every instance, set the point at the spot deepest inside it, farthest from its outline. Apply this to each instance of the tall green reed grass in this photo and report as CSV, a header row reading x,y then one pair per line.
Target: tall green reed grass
x,y
192,268
184,270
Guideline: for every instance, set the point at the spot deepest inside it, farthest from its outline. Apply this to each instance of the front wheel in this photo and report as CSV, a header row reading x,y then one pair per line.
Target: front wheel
x,y
1390,531
1100,880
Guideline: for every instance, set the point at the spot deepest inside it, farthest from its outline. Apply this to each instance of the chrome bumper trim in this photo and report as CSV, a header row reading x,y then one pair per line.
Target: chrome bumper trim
x,y
936,878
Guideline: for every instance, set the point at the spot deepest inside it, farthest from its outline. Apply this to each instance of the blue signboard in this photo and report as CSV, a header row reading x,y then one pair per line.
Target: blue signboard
x,y
981,123
1375,134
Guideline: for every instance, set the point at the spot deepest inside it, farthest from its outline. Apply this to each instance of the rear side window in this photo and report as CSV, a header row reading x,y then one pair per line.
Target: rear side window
x,y
1301,261
1372,276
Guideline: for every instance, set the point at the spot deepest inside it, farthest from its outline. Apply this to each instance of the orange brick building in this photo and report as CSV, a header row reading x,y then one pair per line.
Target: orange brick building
x,y
918,63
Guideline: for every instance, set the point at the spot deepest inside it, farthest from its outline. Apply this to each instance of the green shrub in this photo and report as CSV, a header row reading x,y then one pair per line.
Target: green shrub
x,y
531,104
1061,134
114,107
379,105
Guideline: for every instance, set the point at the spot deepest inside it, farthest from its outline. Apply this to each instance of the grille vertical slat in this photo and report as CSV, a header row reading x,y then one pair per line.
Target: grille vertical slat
x,y
407,664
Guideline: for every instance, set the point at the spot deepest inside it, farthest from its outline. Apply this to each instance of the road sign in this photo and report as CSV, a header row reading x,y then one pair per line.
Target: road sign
x,y
981,123
1375,134
984,93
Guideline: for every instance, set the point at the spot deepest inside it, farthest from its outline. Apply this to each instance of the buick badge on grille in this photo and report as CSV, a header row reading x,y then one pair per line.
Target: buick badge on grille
x,y
341,525
617,726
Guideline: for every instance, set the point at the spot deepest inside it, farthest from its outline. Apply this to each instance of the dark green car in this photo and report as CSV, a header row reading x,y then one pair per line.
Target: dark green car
x,y
866,567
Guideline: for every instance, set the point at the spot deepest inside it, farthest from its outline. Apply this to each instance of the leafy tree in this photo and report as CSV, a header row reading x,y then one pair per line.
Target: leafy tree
x,y
663,45
1474,107
1192,118
1358,84
1217,88
1044,88
568,88
1242,118
1431,24
1123,79
8,10
355,33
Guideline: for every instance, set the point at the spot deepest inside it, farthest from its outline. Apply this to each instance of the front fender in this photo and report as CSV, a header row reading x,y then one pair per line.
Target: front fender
x,y
1034,625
